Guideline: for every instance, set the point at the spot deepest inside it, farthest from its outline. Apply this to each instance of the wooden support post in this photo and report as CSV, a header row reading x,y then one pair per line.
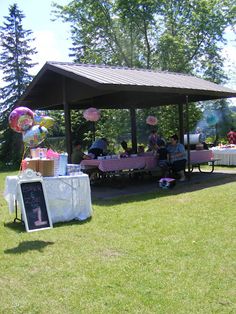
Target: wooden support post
x,y
67,120
181,123
133,129
188,143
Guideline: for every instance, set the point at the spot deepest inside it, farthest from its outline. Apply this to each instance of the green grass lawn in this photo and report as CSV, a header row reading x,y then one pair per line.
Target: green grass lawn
x,y
162,252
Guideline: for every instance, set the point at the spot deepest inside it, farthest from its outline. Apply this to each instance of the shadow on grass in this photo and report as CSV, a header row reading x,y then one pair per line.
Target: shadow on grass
x,y
20,227
16,226
26,246
71,223
131,190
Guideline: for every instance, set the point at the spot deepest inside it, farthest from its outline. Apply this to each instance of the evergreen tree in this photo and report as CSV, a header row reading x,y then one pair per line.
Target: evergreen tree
x,y
15,62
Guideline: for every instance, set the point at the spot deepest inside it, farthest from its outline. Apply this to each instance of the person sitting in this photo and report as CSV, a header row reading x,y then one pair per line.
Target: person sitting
x,y
140,150
177,156
99,147
127,150
231,136
162,156
78,155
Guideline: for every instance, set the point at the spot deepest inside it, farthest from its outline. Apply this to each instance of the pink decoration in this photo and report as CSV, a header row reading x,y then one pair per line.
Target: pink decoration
x,y
92,114
21,119
151,120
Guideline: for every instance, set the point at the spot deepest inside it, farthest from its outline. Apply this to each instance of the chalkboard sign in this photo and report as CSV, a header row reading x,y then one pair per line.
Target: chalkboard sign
x,y
34,206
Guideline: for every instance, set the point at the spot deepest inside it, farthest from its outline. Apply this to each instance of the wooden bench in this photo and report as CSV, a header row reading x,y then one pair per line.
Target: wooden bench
x,y
197,164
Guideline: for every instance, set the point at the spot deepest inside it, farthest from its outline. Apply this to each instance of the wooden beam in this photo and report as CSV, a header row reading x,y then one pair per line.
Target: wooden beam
x,y
133,129
188,138
67,120
181,123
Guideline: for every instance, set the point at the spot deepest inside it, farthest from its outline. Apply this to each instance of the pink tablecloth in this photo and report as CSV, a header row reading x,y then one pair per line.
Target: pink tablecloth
x,y
146,162
200,155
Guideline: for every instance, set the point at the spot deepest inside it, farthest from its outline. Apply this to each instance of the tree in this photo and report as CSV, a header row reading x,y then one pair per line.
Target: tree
x,y
180,36
15,62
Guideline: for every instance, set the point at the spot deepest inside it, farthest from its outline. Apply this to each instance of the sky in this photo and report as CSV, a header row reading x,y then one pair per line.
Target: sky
x,y
52,39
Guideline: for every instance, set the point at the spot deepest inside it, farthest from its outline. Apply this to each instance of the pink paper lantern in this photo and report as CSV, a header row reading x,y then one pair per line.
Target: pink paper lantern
x,y
92,114
151,120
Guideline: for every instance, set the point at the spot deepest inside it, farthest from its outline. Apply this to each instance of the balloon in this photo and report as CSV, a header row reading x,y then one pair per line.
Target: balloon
x,y
21,119
46,121
37,119
34,136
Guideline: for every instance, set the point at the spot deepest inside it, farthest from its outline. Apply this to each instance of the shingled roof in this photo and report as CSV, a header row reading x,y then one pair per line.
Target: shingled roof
x,y
83,85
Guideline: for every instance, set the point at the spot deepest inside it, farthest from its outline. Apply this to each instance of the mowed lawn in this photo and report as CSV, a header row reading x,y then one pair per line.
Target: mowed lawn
x,y
162,252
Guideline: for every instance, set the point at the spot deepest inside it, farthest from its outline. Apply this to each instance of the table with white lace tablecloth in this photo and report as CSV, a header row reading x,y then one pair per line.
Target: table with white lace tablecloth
x,y
69,197
226,156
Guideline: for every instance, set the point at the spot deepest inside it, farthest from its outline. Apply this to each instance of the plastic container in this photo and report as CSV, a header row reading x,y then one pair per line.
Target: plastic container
x,y
63,159
73,169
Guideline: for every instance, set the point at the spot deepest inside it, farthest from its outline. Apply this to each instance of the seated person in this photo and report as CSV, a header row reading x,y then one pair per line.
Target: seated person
x,y
127,150
140,150
99,147
177,156
162,156
78,155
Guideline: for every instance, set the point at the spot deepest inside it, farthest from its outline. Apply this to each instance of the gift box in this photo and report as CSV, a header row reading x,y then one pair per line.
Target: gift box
x,y
30,164
38,152
46,167
166,183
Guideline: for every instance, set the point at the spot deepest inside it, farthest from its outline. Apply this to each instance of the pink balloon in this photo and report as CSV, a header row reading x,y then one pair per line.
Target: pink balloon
x,y
21,119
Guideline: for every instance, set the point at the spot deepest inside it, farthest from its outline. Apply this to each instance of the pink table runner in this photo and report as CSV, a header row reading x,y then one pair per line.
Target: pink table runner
x,y
105,165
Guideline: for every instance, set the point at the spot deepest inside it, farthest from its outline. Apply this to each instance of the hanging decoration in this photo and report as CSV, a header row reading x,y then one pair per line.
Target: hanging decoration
x,y
212,118
92,114
151,120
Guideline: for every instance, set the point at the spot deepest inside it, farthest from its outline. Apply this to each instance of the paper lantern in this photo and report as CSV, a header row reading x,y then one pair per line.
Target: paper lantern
x,y
21,119
92,114
151,120
212,119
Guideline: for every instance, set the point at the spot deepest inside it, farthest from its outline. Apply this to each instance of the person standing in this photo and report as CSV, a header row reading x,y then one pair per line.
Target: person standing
x,y
153,140
162,158
231,136
177,155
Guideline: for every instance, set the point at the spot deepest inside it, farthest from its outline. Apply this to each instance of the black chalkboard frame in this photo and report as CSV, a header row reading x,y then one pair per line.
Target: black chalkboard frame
x,y
38,186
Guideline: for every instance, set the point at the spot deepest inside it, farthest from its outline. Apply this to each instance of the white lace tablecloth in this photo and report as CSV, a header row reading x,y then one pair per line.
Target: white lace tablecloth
x,y
69,197
227,156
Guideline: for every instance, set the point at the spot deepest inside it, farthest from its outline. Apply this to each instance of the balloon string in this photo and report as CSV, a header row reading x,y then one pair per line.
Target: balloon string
x,y
22,158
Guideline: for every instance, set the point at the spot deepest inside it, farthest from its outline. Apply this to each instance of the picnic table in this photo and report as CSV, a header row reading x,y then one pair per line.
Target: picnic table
x,y
146,162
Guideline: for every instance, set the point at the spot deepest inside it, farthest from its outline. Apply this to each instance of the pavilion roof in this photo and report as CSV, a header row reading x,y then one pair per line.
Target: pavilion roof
x,y
84,85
